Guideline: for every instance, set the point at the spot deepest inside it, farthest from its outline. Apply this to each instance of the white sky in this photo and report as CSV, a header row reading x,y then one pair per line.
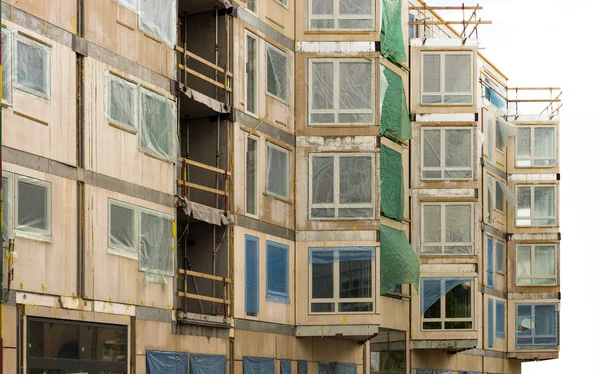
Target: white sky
x,y
550,43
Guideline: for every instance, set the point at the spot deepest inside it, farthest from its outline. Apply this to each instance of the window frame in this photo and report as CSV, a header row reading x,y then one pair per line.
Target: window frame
x,y
533,158
288,154
256,139
532,345
137,101
336,205
161,215
8,65
8,216
532,265
500,334
492,259
336,299
144,149
443,242
531,217
281,297
48,66
336,90
250,35
255,293
442,92
32,233
252,11
336,17
275,49
443,168
122,250
443,318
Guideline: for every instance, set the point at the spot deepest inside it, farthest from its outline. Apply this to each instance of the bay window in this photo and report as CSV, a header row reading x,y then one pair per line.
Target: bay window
x,y
536,205
536,146
446,78
447,153
341,14
446,303
537,326
536,265
446,228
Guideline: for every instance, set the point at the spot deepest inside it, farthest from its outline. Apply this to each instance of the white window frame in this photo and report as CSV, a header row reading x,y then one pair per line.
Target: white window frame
x,y
532,278
532,308
173,146
288,153
29,232
336,92
287,66
531,217
443,80
135,108
501,271
8,65
443,242
443,168
336,187
443,318
122,250
336,285
48,51
336,17
8,189
532,148
247,6
252,36
160,215
256,165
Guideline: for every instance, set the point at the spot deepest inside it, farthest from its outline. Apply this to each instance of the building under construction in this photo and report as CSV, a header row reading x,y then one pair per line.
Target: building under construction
x,y
307,187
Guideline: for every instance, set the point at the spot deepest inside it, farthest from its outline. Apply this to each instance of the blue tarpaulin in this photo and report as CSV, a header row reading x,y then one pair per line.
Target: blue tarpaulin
x,y
302,367
259,365
160,362
207,364
285,367
432,289
336,368
496,100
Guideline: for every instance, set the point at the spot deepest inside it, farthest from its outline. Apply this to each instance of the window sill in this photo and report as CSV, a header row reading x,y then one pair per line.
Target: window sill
x,y
278,198
122,253
123,128
278,298
40,237
154,156
339,31
341,126
274,97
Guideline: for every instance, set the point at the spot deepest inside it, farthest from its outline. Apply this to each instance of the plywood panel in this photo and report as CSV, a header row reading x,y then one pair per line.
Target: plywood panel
x,y
61,13
9,326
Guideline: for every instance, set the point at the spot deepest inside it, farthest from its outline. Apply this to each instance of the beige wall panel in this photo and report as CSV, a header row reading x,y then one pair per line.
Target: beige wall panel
x,y
495,365
9,326
279,17
268,311
513,366
54,137
9,360
61,13
116,278
44,267
122,159
76,315
152,335
255,344
440,359
103,28
395,313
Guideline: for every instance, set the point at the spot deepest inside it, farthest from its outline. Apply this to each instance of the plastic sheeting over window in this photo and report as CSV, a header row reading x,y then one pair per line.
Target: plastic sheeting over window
x,y
33,67
392,40
7,78
258,365
350,14
157,123
399,263
505,130
285,367
7,205
336,368
122,237
131,4
157,18
278,171
493,97
33,208
536,205
121,102
392,183
277,272
207,364
536,326
435,288
536,146
277,73
446,78
536,265
159,362
156,242
447,228
251,275
395,121
447,153
490,323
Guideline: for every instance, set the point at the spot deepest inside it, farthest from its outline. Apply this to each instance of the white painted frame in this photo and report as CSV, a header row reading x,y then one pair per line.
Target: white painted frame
x,y
271,47
532,278
443,318
31,232
336,205
442,151
48,66
531,216
443,242
247,138
336,16
119,250
442,91
171,250
107,102
246,61
533,157
336,92
288,154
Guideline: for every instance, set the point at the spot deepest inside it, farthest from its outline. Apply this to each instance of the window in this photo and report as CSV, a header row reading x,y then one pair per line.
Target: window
x,y
500,313
536,205
121,102
341,91
341,14
490,262
388,352
122,229
499,139
490,323
446,228
500,257
157,18
490,138
33,208
251,276
33,67
251,5
157,123
537,326
277,272
536,265
342,279
446,303
278,171
282,2
495,255
446,78
7,204
156,242
251,64
277,73
251,175
7,80
341,185
500,201
447,153
536,146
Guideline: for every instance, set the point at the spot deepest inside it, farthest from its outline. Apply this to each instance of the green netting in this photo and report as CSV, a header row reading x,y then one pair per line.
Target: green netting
x,y
392,40
399,263
394,120
392,184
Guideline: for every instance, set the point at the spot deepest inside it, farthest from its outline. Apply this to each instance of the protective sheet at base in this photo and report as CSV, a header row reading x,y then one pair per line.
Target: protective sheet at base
x,y
258,365
205,213
392,184
399,262
394,119
392,41
336,368
157,18
285,367
160,362
207,364
302,367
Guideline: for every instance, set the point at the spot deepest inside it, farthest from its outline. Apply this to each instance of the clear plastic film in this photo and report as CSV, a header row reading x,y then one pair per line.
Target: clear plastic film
x,y
278,175
7,77
277,73
285,367
434,288
208,364
122,228
156,242
131,4
392,40
336,368
157,18
7,206
159,362
121,99
353,15
33,209
157,123
507,130
33,67
392,184
277,272
510,196
394,118
258,365
399,263
480,141
494,98
456,237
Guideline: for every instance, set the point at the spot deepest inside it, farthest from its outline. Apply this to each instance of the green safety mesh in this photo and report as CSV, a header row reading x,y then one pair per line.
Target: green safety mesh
x,y
395,121
399,263
392,40
392,184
